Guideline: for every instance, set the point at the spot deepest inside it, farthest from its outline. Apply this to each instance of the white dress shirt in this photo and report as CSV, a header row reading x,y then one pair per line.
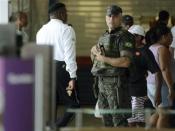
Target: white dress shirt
x,y
63,38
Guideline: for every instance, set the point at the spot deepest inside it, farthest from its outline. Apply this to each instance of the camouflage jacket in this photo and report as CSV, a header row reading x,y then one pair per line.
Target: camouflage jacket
x,y
111,44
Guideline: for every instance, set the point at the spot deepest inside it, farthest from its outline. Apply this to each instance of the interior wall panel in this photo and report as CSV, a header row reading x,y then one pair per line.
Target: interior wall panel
x,y
88,17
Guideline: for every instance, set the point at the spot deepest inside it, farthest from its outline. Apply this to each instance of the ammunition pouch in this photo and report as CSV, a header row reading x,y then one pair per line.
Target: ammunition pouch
x,y
100,69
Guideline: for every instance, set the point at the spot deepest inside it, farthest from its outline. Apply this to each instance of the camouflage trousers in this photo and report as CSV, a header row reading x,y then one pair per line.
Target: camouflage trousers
x,y
113,94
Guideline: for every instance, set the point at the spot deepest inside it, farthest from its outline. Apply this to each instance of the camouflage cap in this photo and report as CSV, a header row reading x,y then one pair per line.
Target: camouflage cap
x,y
113,10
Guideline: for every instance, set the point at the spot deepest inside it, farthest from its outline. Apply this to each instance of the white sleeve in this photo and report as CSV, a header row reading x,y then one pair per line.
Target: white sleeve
x,y
69,40
40,37
173,34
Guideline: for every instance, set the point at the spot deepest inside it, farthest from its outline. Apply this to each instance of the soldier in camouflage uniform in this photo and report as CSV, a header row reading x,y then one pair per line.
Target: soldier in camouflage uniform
x,y
117,45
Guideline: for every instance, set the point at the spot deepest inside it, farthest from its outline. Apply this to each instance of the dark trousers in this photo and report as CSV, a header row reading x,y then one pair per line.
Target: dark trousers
x,y
62,80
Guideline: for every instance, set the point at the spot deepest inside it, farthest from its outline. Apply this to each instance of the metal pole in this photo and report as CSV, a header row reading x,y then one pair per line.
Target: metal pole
x,y
19,5
147,117
3,11
78,119
22,5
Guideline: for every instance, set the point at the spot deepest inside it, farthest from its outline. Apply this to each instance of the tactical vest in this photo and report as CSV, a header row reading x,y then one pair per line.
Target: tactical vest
x,y
109,46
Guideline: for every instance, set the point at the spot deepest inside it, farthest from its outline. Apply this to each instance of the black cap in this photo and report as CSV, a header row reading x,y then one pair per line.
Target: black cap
x,y
56,6
113,10
127,20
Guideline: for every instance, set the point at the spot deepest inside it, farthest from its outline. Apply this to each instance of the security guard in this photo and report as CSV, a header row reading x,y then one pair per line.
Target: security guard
x,y
117,45
62,37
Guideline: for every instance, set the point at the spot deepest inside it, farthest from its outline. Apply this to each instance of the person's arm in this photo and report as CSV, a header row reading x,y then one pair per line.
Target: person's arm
x,y
126,45
117,62
154,68
69,40
165,61
158,80
127,49
94,52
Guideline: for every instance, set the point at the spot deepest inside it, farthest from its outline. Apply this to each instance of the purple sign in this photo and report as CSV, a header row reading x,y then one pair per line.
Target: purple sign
x,y
17,80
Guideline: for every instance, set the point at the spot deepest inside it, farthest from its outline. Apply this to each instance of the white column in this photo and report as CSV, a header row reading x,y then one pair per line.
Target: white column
x,y
39,97
3,11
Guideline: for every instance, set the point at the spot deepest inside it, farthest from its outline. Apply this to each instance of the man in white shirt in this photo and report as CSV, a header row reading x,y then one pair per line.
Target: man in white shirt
x,y
57,33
